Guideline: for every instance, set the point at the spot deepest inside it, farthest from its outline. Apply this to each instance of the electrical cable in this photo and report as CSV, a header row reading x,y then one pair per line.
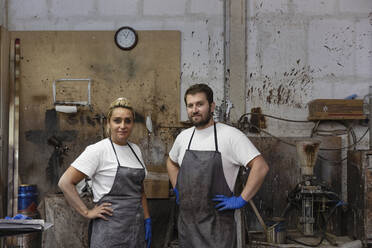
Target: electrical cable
x,y
322,149
274,117
349,130
288,143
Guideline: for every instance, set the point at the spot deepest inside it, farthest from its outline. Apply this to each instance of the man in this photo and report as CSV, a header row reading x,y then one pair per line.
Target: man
x,y
203,165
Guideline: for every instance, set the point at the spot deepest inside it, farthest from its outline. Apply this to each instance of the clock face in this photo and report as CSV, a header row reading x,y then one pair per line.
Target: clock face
x,y
126,38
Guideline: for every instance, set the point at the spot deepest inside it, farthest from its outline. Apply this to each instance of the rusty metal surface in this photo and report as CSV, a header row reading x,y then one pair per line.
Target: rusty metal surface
x,y
359,179
69,228
285,174
4,116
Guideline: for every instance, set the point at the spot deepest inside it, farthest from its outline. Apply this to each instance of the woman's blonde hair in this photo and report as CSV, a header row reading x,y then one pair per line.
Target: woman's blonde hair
x,y
121,102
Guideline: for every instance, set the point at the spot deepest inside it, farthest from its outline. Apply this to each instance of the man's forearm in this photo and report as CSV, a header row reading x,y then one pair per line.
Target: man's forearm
x,y
256,177
173,170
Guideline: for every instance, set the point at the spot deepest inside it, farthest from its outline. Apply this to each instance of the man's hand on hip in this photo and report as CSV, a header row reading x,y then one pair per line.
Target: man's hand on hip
x,y
226,203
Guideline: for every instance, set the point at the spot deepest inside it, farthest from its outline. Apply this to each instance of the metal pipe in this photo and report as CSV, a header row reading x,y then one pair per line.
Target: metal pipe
x,y
370,117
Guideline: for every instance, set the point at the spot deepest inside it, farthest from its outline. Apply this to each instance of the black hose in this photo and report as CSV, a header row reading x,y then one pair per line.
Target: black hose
x,y
340,203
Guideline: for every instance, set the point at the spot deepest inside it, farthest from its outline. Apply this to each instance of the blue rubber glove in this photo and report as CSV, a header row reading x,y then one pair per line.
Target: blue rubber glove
x,y
148,234
232,202
18,217
175,190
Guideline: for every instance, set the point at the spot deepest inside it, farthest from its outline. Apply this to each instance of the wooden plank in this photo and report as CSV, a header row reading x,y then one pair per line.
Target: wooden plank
x,y
11,196
336,109
157,182
17,74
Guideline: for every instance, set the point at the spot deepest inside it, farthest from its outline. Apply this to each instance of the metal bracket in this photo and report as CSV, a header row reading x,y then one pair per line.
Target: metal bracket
x,y
80,103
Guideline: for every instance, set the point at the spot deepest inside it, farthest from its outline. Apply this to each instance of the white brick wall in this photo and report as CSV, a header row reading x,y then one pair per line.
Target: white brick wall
x,y
164,7
315,7
332,39
3,20
256,7
332,47
117,8
71,8
24,10
356,6
208,7
363,48
339,88
282,43
327,42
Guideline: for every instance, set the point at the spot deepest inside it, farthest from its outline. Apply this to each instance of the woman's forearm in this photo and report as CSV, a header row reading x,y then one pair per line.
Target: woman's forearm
x,y
72,197
145,206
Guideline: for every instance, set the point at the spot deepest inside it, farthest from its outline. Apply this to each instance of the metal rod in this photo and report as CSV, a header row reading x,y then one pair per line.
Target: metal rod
x,y
370,117
11,130
258,215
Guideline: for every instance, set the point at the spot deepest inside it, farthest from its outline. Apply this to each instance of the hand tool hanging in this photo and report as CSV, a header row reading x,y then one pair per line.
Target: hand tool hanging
x,y
13,152
54,169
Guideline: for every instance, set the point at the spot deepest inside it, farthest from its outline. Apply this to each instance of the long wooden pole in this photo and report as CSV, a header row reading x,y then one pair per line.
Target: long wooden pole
x,y
17,73
11,131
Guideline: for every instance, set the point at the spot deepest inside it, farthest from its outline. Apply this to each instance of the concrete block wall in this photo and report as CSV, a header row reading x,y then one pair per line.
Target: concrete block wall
x,y
297,50
2,13
302,50
201,24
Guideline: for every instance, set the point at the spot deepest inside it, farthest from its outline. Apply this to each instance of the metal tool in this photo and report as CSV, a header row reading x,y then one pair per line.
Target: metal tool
x,y
258,215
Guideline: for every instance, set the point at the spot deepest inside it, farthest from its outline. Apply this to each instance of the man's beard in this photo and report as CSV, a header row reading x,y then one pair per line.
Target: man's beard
x,y
203,121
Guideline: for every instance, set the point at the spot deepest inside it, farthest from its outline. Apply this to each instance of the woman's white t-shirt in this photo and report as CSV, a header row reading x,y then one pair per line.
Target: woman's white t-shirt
x,y
98,161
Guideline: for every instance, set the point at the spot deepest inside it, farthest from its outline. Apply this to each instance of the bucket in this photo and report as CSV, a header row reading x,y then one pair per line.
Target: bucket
x,y
276,231
27,199
27,205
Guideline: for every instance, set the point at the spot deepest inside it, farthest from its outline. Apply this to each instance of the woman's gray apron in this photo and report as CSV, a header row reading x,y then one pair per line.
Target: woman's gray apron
x,y
126,227
200,178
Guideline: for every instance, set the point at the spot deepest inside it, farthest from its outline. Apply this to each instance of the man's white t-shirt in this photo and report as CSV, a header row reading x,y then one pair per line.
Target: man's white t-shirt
x,y
235,148
98,161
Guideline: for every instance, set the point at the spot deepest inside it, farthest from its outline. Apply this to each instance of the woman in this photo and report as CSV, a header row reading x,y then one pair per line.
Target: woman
x,y
120,217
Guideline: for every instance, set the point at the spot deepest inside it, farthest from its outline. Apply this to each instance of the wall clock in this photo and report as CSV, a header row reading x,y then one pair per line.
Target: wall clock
x,y
126,38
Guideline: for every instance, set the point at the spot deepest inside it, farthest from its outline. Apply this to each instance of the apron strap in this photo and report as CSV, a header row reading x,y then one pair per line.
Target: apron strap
x,y
188,148
117,159
215,138
136,156
130,149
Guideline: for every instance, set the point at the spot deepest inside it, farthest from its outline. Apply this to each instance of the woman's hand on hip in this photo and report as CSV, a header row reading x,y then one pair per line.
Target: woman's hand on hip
x,y
100,211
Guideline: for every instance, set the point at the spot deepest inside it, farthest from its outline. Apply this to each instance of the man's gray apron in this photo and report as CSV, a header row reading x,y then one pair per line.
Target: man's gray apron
x,y
200,178
126,227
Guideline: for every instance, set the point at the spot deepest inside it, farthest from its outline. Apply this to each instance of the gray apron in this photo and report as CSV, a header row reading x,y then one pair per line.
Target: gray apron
x,y
126,227
200,178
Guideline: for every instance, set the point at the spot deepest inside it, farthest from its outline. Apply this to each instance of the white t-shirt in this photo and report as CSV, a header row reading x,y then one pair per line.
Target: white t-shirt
x,y
235,148
98,161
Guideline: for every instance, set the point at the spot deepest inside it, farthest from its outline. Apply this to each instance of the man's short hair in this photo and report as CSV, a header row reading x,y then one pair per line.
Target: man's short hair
x,y
200,88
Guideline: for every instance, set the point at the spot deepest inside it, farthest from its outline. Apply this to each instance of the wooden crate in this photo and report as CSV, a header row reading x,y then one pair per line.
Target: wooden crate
x,y
156,182
336,109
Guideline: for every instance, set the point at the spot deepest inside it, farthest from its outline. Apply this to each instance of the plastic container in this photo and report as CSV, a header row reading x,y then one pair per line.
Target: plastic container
x,y
27,199
276,231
